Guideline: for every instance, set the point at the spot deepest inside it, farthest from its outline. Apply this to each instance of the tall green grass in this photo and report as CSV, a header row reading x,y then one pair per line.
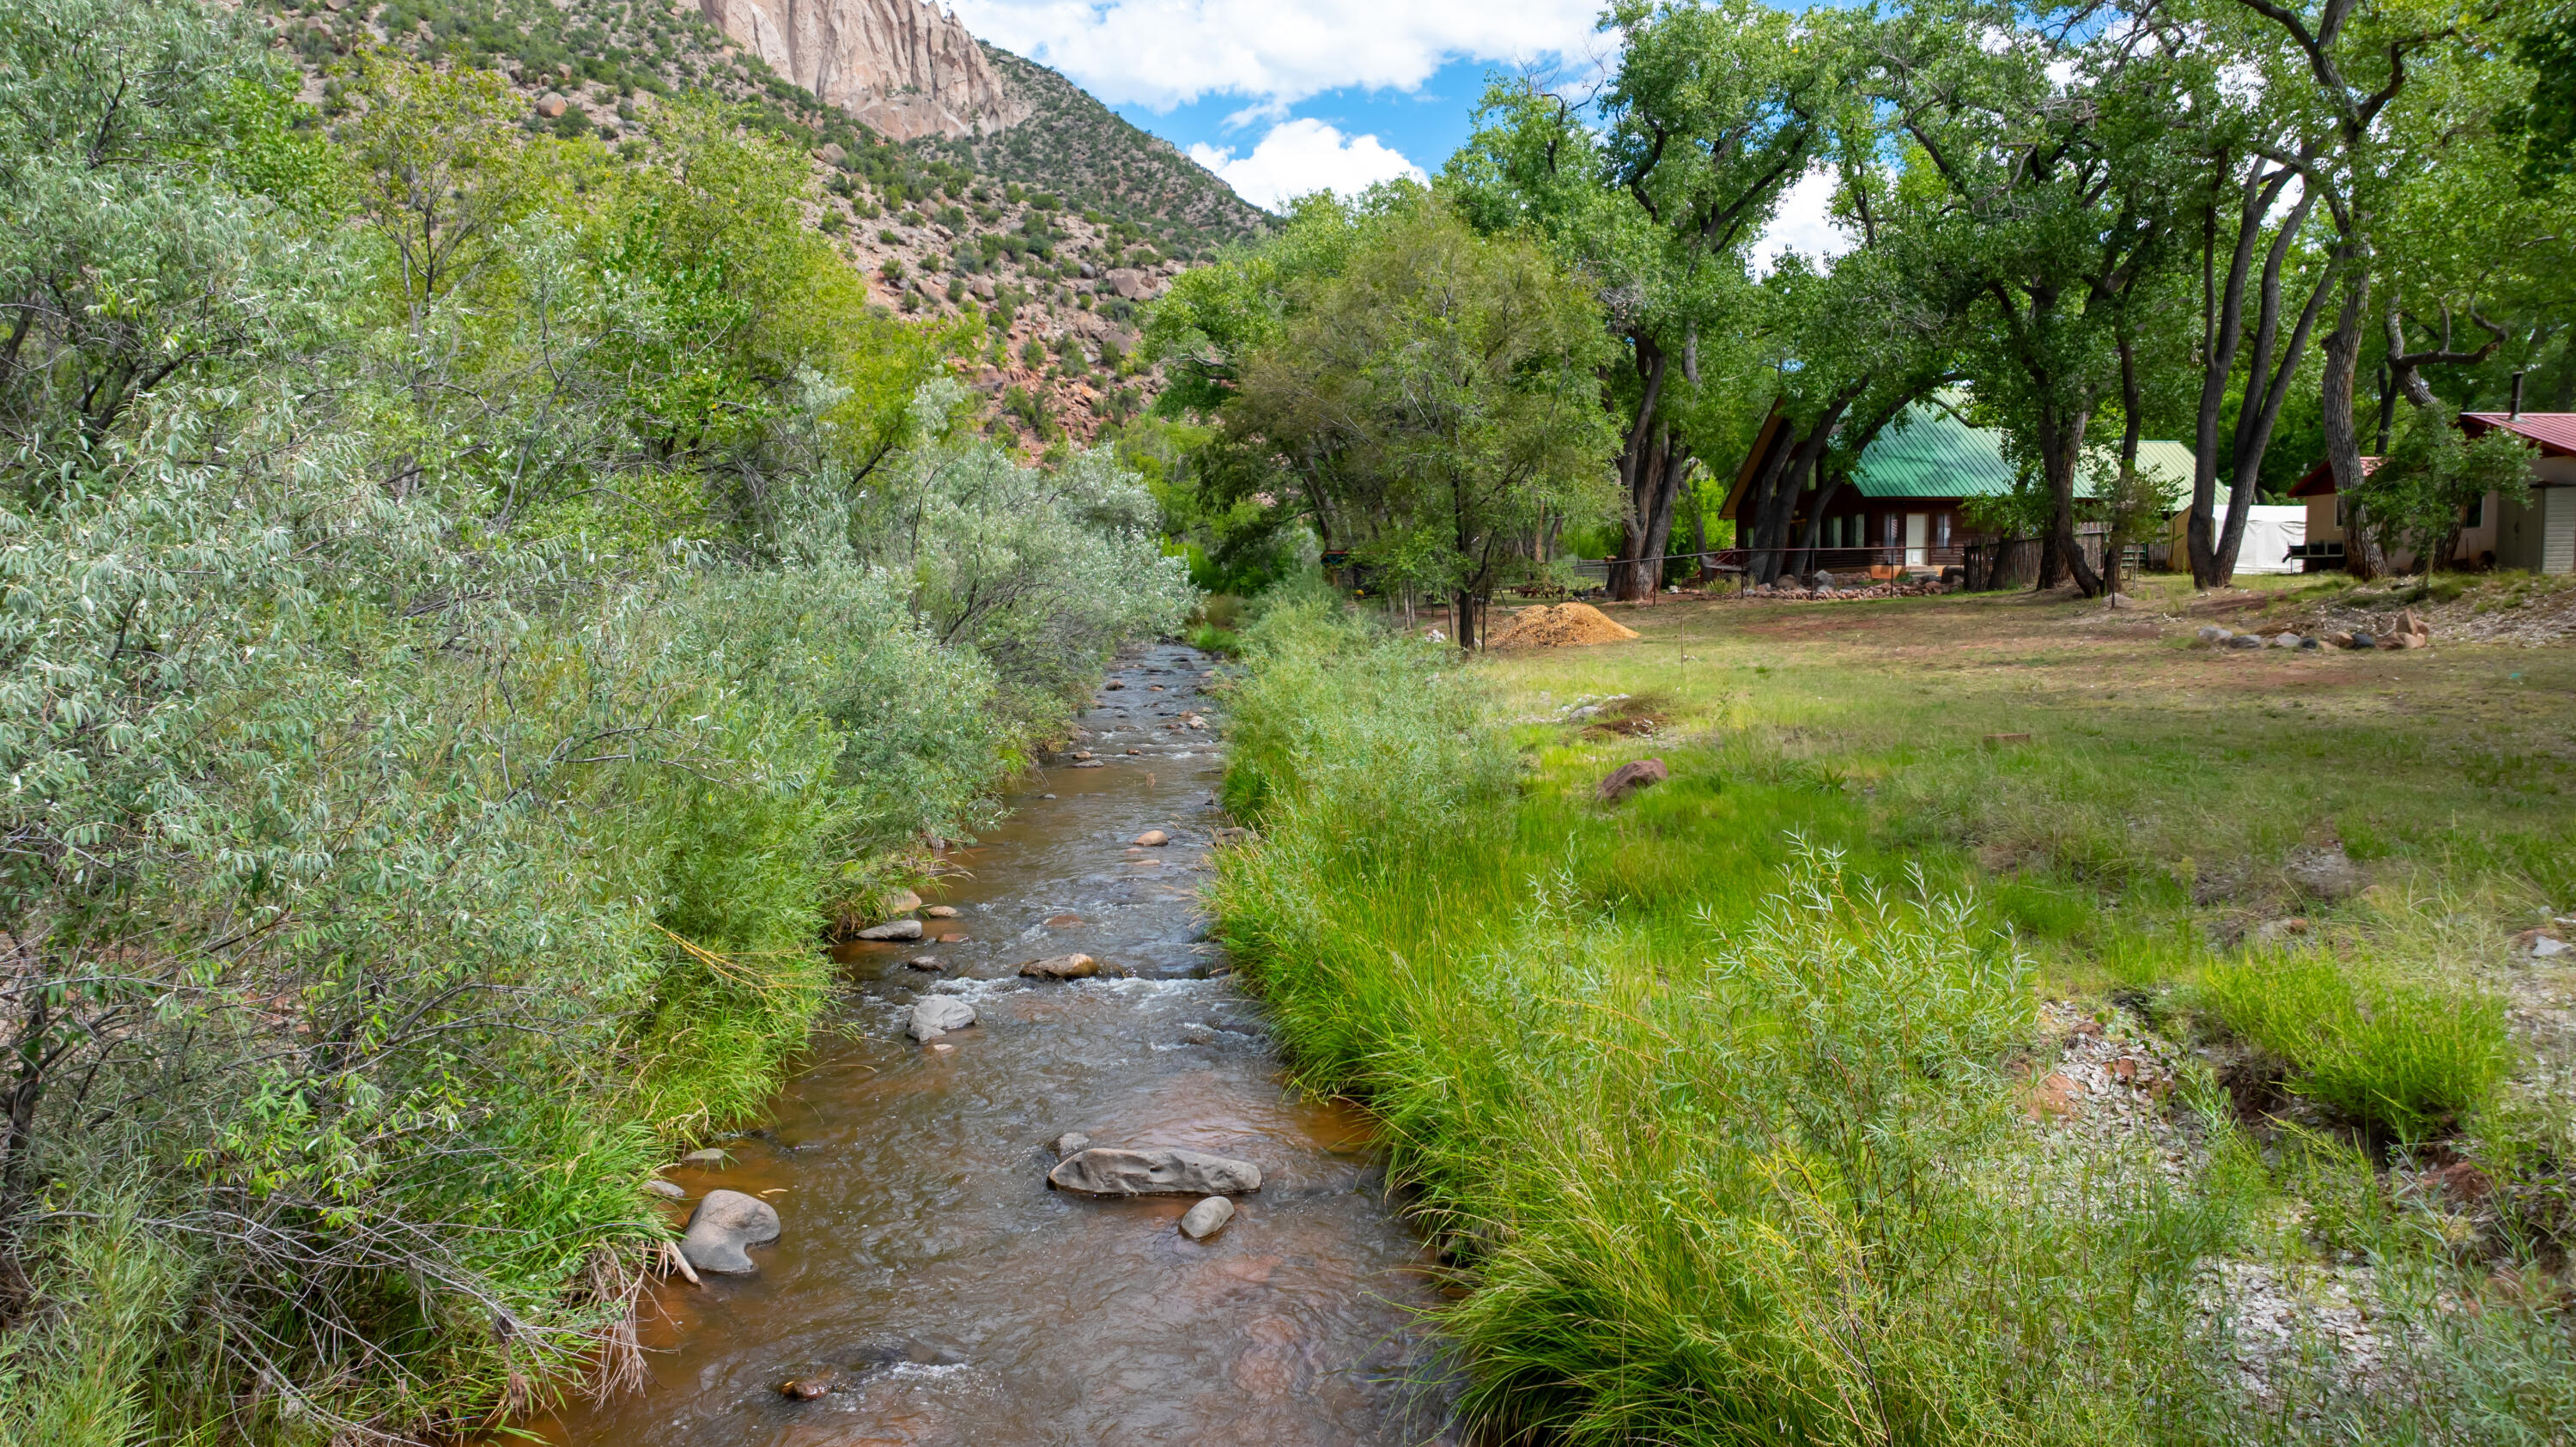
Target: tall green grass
x,y
2403,1056
1720,1128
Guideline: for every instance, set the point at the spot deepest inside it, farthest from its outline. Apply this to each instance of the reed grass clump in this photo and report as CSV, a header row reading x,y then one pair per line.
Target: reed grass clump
x,y
2404,1056
1721,1165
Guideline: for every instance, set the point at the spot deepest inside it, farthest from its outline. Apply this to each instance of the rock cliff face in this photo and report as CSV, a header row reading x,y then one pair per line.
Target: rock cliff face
x,y
900,66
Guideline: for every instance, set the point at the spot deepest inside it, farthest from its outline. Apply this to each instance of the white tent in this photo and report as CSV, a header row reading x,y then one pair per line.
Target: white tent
x,y
2270,533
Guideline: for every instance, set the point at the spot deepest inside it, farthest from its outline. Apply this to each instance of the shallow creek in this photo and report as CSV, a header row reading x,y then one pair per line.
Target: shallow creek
x,y
925,1260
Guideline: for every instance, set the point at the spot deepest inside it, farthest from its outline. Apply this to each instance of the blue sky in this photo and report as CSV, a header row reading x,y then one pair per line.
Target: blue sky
x,y
1423,125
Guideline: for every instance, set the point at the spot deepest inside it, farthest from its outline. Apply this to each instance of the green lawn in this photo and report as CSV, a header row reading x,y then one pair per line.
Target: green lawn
x,y
1724,1096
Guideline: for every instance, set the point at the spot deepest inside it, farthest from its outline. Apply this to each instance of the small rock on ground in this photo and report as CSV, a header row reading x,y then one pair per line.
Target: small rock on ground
x,y
1207,1218
1628,778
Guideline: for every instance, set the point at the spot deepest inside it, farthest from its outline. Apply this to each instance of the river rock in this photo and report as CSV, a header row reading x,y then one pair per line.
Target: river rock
x,y
1062,967
711,1156
1153,839
1629,777
807,1388
1155,1171
936,1015
902,901
1070,1143
1207,1218
941,911
893,929
667,1190
723,1224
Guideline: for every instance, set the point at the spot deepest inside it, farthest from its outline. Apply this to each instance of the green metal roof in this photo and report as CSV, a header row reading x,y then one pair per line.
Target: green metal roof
x,y
1931,453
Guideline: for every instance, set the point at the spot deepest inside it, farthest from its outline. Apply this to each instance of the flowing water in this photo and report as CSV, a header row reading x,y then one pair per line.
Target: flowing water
x,y
924,1262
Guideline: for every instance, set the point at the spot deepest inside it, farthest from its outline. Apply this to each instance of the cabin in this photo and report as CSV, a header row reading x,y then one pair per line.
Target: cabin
x,y
2538,536
1902,509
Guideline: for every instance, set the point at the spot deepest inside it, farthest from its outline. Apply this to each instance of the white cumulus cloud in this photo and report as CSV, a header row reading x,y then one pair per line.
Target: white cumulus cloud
x,y
1163,53
1803,223
1303,156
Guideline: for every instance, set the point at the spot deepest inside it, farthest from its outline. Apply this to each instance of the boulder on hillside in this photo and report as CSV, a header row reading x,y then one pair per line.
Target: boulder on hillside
x,y
551,105
1629,777
1154,1171
724,1223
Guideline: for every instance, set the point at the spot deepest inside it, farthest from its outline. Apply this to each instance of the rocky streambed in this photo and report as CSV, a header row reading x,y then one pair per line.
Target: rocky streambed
x,y
929,1284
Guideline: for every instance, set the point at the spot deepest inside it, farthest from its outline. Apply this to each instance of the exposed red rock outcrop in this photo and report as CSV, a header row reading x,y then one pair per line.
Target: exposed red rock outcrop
x,y
902,67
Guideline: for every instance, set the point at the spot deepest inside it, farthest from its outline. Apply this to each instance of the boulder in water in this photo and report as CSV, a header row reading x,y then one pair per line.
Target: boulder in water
x,y
1154,1171
936,1015
1207,1218
893,929
724,1223
1062,967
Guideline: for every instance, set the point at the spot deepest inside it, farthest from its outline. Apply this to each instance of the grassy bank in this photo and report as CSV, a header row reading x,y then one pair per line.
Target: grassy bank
x,y
1727,1100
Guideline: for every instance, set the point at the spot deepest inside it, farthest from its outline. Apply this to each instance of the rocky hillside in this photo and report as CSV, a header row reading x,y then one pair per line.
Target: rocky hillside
x,y
970,185
902,68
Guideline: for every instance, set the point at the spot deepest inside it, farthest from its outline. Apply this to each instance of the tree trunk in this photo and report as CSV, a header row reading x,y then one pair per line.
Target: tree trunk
x,y
1639,456
1768,546
2060,454
1672,464
2362,555
2268,374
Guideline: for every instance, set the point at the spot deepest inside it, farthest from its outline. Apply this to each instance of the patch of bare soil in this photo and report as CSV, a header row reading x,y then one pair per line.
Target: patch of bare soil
x,y
1567,625
2528,612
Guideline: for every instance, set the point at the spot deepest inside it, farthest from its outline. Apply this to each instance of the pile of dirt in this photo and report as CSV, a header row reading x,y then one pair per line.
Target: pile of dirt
x,y
1567,625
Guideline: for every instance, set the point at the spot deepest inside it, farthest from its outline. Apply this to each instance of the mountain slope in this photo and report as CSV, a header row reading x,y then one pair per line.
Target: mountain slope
x,y
1044,219
1072,146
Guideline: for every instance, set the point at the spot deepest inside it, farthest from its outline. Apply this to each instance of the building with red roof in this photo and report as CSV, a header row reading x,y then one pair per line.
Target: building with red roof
x,y
2537,536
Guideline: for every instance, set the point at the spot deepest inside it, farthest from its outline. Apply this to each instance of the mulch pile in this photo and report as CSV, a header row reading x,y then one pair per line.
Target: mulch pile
x,y
1567,625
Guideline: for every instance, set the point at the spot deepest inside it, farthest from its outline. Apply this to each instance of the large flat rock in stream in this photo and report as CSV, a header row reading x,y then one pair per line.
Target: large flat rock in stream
x,y
1154,1171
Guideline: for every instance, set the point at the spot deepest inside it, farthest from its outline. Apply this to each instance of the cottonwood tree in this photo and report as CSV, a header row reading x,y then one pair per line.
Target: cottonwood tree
x,y
2041,168
1438,391
1712,113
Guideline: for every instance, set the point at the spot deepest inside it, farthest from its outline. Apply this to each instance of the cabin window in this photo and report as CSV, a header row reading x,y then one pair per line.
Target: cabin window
x,y
2477,512
1887,529
1941,530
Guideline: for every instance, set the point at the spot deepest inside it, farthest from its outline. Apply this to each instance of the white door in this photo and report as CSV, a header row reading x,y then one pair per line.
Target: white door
x,y
1918,536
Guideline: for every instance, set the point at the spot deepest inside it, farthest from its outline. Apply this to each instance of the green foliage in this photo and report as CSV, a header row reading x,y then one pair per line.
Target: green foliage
x,y
2403,1056
2419,495
480,616
1721,1135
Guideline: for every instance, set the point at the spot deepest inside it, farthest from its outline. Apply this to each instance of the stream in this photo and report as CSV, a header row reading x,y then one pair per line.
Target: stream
x,y
925,1262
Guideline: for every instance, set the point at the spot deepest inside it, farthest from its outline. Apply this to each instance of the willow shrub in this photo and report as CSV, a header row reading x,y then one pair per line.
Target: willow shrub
x,y
1715,1172
443,714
